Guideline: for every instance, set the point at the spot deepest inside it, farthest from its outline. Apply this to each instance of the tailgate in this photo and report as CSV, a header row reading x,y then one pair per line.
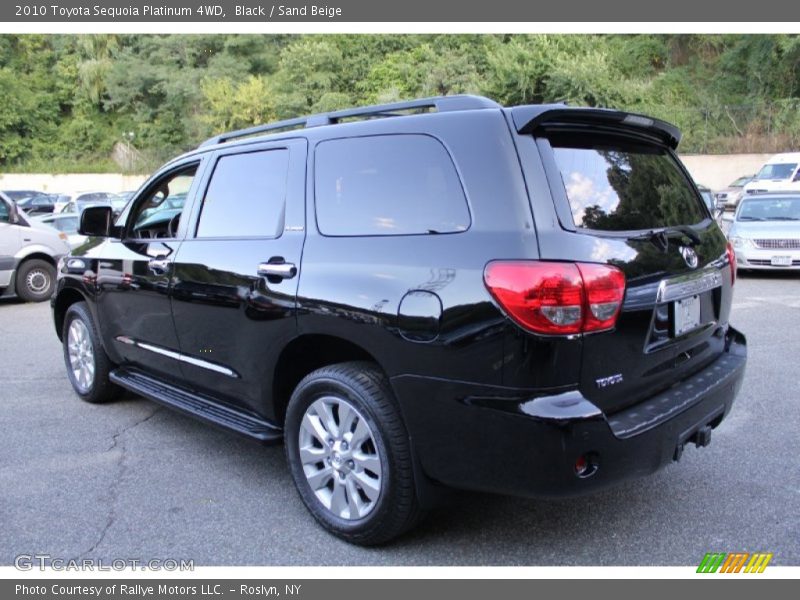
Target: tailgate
x,y
625,200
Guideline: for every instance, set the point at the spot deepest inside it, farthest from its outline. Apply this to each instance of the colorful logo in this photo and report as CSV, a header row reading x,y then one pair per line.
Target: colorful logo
x,y
734,562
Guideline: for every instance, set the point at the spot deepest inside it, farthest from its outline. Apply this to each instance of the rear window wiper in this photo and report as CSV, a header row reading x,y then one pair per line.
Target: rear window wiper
x,y
662,233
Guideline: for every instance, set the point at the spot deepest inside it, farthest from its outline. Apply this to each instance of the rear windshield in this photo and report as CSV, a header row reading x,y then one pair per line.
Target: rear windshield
x,y
777,171
614,184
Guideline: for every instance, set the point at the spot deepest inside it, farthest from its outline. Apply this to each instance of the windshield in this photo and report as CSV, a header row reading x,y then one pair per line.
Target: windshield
x,y
770,209
777,171
740,182
614,184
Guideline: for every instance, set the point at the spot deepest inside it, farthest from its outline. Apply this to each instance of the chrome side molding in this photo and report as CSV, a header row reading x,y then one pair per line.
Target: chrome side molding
x,y
197,362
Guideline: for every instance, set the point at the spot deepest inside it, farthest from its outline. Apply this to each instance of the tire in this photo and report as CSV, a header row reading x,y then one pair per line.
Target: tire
x,y
88,365
339,489
35,280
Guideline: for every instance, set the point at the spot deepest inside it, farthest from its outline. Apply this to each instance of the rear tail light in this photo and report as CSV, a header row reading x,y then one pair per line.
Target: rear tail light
x,y
732,260
555,298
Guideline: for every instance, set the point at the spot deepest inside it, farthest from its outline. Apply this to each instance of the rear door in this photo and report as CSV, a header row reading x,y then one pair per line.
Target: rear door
x,y
236,274
624,199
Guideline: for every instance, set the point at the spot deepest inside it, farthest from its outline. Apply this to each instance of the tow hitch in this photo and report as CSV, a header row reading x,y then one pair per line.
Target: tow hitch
x,y
700,438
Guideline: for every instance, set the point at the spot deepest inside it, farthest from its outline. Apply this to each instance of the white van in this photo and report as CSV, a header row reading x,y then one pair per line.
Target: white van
x,y
29,253
779,173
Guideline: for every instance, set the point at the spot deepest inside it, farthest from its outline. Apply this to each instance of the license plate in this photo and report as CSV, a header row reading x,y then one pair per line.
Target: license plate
x,y
781,261
687,315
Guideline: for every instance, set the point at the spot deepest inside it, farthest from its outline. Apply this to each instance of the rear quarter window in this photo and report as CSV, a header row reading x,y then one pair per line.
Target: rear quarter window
x,y
613,184
388,185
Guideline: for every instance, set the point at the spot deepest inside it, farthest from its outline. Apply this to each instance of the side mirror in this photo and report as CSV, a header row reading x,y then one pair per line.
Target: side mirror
x,y
96,221
13,214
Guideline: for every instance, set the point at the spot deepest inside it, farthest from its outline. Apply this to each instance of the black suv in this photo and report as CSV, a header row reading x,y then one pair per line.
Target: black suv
x,y
428,295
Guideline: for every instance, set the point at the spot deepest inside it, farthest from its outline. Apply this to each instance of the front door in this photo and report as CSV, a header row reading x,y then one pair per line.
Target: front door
x,y
9,244
236,273
134,275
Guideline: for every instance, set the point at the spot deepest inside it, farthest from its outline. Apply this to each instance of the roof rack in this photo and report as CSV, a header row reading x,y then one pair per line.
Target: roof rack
x,y
440,103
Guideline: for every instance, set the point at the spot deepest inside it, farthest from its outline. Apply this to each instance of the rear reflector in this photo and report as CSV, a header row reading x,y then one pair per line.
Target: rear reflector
x,y
554,298
732,260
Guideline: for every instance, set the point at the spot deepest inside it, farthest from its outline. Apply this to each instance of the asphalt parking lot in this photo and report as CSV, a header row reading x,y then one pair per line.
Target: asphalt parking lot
x,y
131,480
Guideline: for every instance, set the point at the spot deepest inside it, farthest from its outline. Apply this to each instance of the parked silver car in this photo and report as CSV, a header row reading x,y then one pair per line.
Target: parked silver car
x,y
729,197
67,223
765,232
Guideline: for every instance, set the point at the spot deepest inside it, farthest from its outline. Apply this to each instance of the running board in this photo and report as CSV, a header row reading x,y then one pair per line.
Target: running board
x,y
195,405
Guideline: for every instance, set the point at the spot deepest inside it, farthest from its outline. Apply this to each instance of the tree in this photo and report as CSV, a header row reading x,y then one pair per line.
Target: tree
x,y
96,63
235,106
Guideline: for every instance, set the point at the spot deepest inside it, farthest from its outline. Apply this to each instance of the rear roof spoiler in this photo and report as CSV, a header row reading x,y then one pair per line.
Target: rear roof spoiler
x,y
528,119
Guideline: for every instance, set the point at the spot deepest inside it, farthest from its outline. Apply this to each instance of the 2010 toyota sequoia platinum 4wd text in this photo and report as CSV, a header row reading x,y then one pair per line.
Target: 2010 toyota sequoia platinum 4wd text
x,y
435,294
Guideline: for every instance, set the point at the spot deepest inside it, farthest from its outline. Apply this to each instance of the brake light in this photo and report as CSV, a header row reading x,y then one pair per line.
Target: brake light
x,y
732,260
555,298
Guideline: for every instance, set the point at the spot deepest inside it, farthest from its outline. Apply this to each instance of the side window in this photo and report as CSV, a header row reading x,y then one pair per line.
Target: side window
x,y
246,196
5,215
388,185
158,212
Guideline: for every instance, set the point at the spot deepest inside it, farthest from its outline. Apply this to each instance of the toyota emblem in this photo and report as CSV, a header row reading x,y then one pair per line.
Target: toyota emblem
x,y
689,256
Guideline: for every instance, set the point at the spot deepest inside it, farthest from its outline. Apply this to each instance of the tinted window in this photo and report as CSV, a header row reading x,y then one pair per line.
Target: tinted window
x,y
246,196
617,185
388,185
4,213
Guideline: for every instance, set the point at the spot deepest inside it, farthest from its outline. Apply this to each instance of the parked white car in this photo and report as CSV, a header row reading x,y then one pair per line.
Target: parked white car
x,y
29,253
765,232
779,173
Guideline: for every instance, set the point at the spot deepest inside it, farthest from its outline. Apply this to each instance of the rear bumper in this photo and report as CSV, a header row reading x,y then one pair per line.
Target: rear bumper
x,y
508,441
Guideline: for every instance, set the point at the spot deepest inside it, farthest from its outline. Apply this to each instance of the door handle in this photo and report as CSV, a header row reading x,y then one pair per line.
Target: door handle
x,y
281,270
158,266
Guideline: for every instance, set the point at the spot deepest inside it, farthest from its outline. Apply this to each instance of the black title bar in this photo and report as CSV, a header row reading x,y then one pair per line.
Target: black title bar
x,y
469,11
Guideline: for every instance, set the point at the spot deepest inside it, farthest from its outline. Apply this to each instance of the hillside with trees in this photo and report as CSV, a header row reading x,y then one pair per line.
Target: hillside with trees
x,y
70,101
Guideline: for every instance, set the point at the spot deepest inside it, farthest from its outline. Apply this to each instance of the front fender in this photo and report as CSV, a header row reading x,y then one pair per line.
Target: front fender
x,y
31,249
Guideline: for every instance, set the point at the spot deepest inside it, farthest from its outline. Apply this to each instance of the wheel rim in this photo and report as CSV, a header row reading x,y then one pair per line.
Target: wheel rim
x,y
340,458
37,281
81,355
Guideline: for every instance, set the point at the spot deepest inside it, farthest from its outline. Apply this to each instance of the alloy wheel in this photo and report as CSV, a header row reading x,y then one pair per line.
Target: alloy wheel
x,y
81,355
340,458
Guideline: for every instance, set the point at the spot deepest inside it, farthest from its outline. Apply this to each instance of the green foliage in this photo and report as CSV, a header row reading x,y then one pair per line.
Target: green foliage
x,y
421,71
237,105
70,98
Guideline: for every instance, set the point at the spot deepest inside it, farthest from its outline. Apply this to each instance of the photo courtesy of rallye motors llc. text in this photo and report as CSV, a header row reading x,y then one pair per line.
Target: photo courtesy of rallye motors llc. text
x,y
144,591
